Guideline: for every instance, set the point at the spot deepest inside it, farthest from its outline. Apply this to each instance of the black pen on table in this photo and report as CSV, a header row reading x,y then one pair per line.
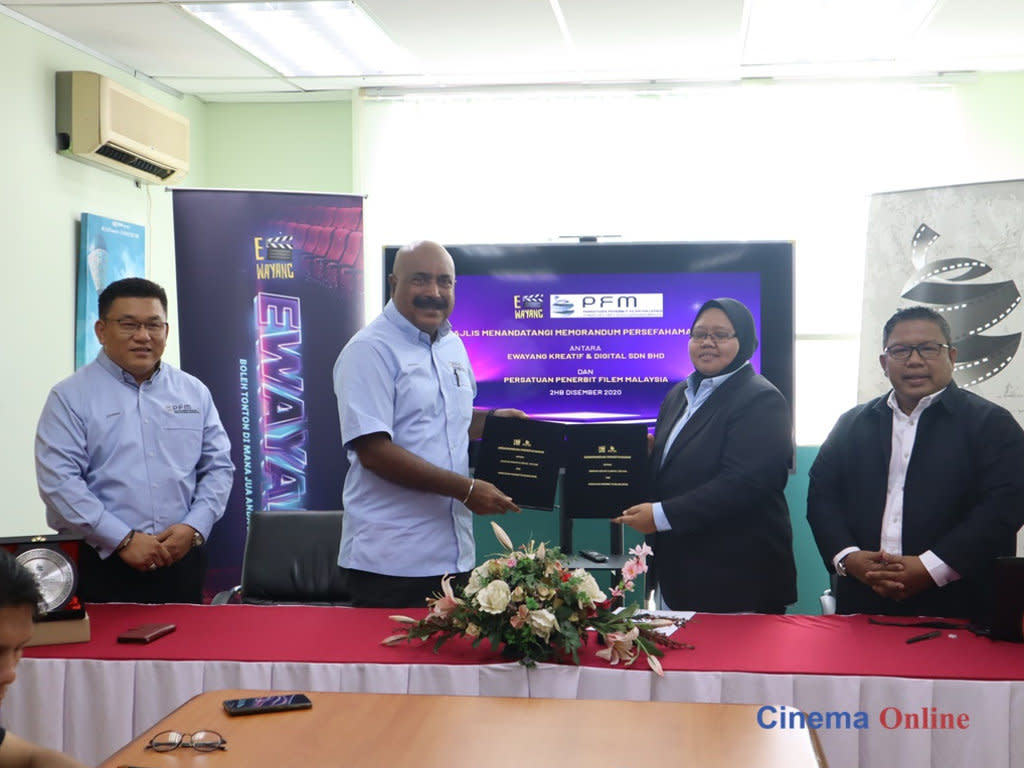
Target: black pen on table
x,y
925,636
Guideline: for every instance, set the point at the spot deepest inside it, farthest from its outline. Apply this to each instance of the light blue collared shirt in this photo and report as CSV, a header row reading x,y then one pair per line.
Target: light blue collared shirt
x,y
114,456
694,400
392,378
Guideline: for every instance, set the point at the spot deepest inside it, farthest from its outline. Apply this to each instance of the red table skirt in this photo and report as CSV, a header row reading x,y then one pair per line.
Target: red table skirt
x,y
809,645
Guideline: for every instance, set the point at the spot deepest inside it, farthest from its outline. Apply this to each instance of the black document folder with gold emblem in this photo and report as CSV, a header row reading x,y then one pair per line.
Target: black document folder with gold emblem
x,y
522,457
605,469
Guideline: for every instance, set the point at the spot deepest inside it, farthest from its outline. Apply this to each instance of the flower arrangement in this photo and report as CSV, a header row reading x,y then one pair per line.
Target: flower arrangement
x,y
530,602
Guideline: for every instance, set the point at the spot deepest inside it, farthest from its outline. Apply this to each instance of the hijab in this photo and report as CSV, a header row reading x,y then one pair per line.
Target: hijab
x,y
742,322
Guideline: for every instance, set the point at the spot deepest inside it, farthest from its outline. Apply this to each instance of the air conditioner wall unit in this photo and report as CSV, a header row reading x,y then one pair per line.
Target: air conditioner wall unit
x,y
104,123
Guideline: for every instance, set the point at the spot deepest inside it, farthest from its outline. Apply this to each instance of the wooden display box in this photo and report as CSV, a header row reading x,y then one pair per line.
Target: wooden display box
x,y
61,631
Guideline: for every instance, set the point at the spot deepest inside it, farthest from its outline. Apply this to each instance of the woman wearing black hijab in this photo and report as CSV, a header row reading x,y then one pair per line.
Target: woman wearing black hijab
x,y
717,517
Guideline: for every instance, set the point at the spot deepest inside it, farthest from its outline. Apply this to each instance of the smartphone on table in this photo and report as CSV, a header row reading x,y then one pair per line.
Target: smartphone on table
x,y
279,702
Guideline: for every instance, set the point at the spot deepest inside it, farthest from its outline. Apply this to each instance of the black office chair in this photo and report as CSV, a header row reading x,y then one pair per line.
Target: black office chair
x,y
291,556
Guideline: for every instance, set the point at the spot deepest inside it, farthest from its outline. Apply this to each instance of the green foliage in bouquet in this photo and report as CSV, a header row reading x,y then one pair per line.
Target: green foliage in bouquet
x,y
529,603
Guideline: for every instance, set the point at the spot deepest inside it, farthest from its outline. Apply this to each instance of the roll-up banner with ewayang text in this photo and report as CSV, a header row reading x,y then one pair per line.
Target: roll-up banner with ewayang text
x,y
270,287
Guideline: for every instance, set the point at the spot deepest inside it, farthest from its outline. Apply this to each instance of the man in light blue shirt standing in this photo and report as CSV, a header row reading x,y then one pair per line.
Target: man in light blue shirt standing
x,y
131,456
405,393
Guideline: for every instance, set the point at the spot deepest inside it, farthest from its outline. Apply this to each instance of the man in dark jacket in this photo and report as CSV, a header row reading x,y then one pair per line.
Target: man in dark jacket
x,y
914,494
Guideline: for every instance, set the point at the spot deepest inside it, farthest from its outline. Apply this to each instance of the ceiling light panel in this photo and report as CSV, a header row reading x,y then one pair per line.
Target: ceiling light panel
x,y
474,38
322,37
150,38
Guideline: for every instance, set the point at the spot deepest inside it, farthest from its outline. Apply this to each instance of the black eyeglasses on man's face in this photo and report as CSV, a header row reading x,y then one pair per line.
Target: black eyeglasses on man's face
x,y
928,351
128,327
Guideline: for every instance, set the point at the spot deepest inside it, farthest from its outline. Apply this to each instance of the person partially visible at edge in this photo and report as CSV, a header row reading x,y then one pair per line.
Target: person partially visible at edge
x,y
19,601
717,518
131,456
914,494
405,392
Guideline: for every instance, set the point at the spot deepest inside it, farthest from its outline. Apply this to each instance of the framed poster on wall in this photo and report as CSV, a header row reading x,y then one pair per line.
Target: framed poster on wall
x,y
109,250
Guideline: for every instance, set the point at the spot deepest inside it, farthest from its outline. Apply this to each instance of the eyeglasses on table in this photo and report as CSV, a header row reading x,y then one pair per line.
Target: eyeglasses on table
x,y
201,741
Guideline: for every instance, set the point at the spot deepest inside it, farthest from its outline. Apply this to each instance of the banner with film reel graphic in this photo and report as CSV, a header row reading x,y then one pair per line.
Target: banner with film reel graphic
x,y
953,287
960,251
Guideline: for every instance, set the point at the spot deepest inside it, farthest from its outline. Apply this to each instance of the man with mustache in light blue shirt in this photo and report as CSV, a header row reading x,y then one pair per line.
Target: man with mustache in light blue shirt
x,y
132,457
405,393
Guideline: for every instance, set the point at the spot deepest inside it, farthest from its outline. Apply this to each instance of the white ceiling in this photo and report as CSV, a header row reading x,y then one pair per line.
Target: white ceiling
x,y
520,42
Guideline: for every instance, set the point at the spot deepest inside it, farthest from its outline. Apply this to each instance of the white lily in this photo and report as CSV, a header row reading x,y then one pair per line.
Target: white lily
x,y
502,537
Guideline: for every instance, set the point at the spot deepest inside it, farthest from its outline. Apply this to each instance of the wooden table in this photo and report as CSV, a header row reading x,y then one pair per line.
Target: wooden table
x,y
409,731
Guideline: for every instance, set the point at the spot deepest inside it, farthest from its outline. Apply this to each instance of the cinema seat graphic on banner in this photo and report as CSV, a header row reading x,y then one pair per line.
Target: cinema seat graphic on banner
x,y
282,404
952,287
263,311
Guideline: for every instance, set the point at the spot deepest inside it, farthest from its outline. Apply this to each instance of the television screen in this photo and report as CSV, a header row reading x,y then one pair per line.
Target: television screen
x,y
582,332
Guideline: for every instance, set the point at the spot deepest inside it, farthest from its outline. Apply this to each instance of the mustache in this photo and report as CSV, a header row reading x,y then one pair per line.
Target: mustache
x,y
429,302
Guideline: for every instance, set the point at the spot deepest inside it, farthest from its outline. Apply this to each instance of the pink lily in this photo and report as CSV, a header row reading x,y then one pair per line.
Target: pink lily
x,y
620,646
442,607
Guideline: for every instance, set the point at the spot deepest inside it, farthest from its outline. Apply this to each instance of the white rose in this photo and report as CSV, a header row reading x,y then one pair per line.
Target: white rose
x,y
477,579
494,597
542,623
590,593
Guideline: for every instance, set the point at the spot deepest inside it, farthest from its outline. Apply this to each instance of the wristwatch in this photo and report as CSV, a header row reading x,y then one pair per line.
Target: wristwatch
x,y
197,539
841,565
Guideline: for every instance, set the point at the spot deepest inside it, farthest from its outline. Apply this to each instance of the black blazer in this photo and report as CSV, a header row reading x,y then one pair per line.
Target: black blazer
x,y
721,485
963,498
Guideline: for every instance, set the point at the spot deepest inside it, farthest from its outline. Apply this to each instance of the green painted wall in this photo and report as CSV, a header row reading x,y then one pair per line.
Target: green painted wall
x,y
539,525
300,147
42,198
286,146
811,577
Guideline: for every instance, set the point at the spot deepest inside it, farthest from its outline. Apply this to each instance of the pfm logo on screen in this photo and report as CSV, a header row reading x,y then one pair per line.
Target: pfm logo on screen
x,y
590,305
529,306
274,257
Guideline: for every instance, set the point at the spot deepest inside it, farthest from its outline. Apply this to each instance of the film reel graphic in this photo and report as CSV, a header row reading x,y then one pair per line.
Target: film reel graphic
x,y
952,288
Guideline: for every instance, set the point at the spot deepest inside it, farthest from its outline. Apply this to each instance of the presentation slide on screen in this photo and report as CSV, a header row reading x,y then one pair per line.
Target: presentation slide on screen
x,y
587,347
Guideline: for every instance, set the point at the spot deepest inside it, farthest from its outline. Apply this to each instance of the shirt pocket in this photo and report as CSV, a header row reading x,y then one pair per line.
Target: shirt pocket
x,y
457,377
181,440
458,395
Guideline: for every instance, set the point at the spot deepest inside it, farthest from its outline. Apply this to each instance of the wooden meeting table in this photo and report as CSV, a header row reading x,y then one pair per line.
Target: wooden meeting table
x,y
421,731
